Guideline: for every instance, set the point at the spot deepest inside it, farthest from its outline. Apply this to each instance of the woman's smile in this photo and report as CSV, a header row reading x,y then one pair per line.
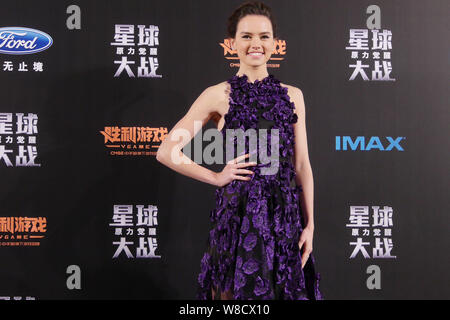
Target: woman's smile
x,y
256,54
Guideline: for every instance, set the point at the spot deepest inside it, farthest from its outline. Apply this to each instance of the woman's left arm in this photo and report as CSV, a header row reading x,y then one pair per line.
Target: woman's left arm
x,y
303,169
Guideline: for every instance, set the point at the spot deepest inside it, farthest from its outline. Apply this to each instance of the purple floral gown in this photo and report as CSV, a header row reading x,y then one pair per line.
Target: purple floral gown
x,y
252,249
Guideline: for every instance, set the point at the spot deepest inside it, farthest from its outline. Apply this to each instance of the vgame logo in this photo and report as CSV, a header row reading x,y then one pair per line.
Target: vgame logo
x,y
133,141
18,40
22,231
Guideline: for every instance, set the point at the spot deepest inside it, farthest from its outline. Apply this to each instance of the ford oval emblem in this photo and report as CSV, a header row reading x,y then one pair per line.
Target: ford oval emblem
x,y
18,40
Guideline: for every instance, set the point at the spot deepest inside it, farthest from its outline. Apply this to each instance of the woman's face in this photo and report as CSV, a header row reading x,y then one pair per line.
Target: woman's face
x,y
254,40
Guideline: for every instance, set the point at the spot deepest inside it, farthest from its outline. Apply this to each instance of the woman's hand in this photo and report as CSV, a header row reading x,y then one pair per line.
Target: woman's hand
x,y
306,241
232,169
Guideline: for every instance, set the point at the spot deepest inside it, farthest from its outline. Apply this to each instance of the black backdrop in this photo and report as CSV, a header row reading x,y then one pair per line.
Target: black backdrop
x,y
79,182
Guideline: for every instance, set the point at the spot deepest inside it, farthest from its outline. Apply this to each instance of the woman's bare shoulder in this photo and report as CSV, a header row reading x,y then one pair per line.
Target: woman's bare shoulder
x,y
221,89
296,96
292,91
214,99
220,93
217,91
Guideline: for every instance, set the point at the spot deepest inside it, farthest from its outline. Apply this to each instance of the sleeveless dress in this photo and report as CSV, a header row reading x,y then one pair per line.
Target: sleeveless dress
x,y
252,248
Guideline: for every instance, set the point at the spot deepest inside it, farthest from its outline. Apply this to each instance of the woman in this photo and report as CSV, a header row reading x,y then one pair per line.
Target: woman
x,y
260,244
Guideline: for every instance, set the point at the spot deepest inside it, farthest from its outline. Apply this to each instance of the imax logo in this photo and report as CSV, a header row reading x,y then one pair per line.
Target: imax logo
x,y
344,142
18,40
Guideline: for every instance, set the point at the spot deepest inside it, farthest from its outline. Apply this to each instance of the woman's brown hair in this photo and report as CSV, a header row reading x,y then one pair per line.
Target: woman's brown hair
x,y
250,8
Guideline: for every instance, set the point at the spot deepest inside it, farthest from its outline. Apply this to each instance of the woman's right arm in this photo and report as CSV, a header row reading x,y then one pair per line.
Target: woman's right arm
x,y
170,149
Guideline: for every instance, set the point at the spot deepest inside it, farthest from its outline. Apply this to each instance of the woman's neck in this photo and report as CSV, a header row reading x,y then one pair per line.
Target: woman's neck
x,y
253,75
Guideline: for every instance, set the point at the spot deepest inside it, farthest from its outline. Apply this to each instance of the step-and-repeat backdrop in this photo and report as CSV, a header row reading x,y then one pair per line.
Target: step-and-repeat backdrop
x,y
89,89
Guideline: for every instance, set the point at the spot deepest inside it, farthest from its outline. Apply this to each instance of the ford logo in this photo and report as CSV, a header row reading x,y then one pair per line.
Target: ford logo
x,y
18,40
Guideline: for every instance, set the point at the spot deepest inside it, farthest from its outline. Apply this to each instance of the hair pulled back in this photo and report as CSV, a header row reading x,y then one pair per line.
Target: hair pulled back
x,y
250,8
